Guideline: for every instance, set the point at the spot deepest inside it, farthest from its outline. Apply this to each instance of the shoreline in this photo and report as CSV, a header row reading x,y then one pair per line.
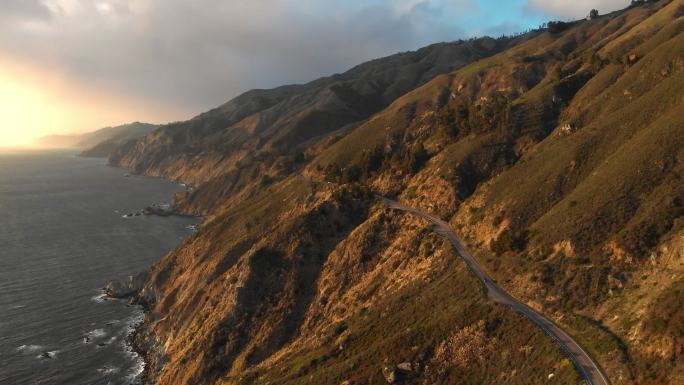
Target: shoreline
x,y
137,341
139,335
84,330
140,338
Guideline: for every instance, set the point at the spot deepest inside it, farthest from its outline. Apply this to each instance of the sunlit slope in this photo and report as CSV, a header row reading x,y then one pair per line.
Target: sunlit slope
x,y
270,132
557,158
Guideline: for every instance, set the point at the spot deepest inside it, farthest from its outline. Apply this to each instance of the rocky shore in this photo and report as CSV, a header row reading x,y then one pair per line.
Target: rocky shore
x,y
141,339
127,289
136,291
141,342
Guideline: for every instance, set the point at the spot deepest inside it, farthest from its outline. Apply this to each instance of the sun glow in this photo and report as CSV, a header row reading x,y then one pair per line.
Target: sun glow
x,y
26,112
36,103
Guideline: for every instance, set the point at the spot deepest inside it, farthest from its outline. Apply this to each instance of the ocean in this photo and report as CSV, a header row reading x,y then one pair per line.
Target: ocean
x,y
63,235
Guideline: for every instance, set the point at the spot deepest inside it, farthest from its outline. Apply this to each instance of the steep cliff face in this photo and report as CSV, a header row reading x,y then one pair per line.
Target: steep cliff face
x,y
558,159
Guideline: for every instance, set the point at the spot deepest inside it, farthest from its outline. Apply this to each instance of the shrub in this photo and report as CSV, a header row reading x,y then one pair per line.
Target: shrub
x,y
509,241
332,172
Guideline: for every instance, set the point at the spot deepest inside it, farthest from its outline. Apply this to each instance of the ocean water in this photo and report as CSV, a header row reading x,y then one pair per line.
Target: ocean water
x,y
62,237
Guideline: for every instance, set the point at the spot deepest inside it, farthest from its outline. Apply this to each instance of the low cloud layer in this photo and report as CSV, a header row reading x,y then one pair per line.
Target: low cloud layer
x,y
197,54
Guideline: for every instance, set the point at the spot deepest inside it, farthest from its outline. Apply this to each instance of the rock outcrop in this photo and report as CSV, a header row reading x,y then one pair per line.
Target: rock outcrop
x,y
126,289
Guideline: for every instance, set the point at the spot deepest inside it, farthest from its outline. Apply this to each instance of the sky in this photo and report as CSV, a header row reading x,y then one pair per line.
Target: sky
x,y
71,66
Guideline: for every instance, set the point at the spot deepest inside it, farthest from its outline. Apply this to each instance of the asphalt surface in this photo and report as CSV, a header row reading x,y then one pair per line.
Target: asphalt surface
x,y
586,365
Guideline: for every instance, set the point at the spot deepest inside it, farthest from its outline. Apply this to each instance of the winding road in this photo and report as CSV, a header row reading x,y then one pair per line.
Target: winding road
x,y
589,369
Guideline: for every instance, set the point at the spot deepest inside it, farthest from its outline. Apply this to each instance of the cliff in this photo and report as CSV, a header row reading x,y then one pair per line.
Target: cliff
x,y
557,155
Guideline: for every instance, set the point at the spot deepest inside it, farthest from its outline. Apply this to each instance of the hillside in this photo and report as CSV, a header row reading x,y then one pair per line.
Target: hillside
x,y
99,143
263,135
103,142
557,156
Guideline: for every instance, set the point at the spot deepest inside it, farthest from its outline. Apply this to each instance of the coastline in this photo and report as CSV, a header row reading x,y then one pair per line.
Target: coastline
x,y
137,340
141,338
65,239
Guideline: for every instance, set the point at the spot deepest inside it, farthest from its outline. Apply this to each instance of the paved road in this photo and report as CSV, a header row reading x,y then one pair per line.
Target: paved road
x,y
589,369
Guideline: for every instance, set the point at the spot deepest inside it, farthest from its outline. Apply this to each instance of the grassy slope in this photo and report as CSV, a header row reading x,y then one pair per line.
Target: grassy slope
x,y
598,199
296,290
606,196
304,281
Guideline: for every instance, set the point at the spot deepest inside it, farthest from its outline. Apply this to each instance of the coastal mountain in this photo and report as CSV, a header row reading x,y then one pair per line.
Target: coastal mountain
x,y
557,155
266,134
103,142
98,143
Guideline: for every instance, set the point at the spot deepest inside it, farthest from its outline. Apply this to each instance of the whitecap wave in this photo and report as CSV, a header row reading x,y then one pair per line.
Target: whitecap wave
x,y
30,348
97,333
108,370
48,355
99,298
136,319
137,370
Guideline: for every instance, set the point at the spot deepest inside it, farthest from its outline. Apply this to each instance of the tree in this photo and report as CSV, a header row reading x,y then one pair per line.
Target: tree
x,y
509,241
557,26
593,14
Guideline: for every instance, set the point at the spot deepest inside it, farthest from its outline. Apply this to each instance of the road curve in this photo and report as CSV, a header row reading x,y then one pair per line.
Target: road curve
x,y
589,369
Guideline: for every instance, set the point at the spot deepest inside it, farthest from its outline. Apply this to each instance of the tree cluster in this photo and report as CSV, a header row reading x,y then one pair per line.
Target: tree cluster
x,y
407,160
557,26
461,117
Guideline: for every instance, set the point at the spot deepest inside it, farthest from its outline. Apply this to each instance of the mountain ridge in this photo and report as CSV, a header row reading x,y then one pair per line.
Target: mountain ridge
x,y
277,125
557,159
98,143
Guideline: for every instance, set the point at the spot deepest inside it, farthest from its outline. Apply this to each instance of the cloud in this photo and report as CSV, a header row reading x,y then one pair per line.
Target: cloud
x,y
198,54
574,9
23,10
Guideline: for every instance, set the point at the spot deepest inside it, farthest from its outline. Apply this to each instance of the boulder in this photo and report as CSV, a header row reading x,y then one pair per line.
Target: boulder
x,y
162,210
391,374
128,288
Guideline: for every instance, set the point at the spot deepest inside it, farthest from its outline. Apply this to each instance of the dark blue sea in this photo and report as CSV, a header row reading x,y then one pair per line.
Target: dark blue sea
x,y
63,235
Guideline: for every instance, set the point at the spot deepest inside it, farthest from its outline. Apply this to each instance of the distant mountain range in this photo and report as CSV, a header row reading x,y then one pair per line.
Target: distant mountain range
x,y
98,143
557,155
